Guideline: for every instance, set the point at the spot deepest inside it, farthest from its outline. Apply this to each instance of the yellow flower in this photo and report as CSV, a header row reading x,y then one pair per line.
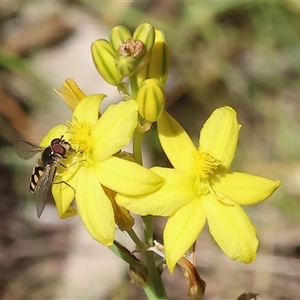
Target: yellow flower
x,y
93,165
200,188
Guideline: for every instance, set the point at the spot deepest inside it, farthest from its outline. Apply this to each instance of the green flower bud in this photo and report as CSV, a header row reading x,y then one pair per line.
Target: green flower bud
x,y
158,64
118,36
104,59
151,99
146,34
126,65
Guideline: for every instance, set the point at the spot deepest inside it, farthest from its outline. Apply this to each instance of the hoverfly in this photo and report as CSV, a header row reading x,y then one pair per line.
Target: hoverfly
x,y
44,172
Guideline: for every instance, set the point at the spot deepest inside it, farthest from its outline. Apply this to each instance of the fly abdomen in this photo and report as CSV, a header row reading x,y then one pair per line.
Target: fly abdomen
x,y
37,173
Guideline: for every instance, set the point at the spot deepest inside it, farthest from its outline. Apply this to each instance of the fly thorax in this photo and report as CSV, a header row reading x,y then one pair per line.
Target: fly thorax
x,y
47,155
203,167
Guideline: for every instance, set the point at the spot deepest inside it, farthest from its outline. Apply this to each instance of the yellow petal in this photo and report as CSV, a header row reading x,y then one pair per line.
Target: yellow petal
x,y
56,132
71,93
182,230
114,129
94,207
177,191
246,189
127,177
63,196
63,190
87,110
219,135
176,143
69,100
231,229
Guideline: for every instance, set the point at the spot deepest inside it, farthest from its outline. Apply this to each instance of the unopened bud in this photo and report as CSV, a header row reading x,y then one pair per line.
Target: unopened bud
x,y
151,99
146,34
118,36
158,64
104,59
126,65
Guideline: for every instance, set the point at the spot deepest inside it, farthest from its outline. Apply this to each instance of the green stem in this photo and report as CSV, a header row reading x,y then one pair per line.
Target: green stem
x,y
149,292
126,255
156,289
154,276
133,86
148,229
123,89
140,245
137,146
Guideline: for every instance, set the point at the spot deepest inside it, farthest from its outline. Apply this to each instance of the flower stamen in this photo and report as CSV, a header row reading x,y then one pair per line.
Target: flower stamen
x,y
80,136
204,165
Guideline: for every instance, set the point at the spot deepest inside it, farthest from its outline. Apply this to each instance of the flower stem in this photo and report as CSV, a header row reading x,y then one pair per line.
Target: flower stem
x,y
150,293
137,146
126,255
156,289
140,245
133,86
154,276
148,229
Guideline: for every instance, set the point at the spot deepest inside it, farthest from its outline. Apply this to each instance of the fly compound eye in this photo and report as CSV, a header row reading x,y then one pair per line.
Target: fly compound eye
x,y
56,141
58,149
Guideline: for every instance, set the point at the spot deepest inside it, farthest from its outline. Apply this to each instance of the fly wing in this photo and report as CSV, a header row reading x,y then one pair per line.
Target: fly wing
x,y
42,189
26,150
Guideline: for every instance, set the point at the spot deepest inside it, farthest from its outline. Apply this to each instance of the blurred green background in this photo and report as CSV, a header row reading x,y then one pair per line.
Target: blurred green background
x,y
242,54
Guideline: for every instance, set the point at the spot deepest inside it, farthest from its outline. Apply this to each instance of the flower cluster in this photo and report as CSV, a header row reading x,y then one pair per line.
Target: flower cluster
x,y
103,184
